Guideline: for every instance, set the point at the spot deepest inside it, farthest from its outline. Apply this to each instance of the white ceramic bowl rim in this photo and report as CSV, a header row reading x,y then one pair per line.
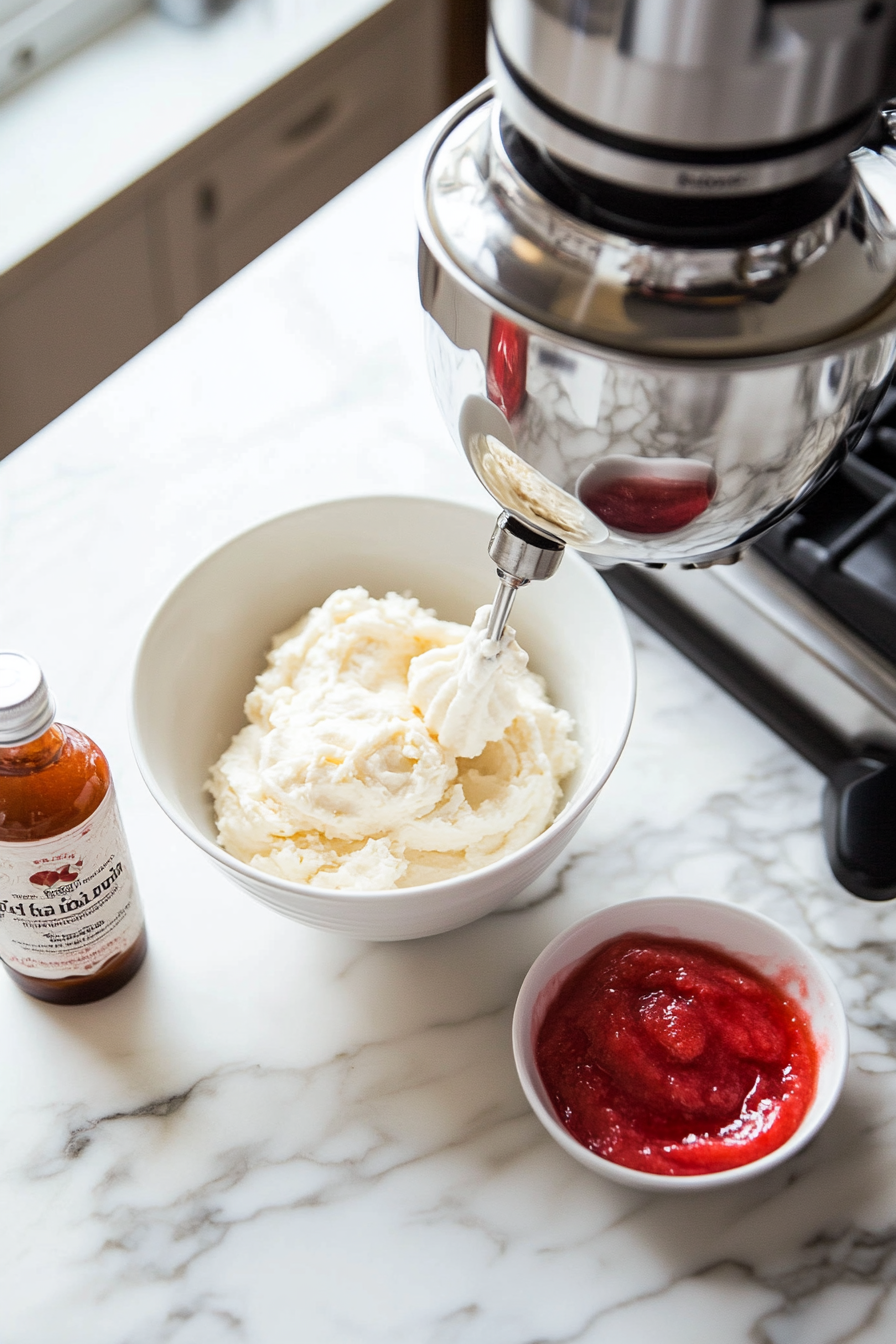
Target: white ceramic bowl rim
x,y
812,1121
579,801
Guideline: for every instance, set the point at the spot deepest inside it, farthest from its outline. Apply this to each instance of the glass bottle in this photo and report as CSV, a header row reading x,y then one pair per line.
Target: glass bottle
x,y
71,923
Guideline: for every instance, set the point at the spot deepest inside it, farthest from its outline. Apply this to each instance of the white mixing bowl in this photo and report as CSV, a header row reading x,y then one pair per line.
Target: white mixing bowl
x,y
208,641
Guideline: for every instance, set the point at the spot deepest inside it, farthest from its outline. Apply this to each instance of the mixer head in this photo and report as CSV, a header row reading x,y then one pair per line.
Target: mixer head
x,y
692,98
658,269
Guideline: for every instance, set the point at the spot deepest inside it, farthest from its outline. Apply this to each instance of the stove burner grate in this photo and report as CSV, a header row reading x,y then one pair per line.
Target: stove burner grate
x,y
841,545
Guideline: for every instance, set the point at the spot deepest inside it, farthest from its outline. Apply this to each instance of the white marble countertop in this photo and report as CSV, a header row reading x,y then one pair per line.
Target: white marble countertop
x,y
274,1134
81,132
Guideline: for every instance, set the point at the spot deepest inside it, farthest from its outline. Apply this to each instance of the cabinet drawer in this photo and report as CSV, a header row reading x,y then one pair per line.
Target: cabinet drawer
x,y
293,199
71,327
309,128
300,144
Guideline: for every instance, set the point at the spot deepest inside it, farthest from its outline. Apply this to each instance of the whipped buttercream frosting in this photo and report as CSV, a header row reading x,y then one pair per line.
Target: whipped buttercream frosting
x,y
386,748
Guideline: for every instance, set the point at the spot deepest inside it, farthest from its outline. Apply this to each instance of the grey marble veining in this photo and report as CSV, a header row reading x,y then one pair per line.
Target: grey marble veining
x,y
277,1135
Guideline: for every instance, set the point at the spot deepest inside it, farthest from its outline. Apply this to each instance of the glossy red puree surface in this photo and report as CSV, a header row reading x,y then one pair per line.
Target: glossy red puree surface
x,y
665,1055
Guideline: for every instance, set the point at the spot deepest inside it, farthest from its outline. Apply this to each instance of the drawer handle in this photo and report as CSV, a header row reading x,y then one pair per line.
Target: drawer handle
x,y
309,125
206,201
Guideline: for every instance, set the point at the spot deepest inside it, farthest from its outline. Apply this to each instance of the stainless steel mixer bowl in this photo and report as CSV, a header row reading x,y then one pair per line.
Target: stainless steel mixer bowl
x,y
625,453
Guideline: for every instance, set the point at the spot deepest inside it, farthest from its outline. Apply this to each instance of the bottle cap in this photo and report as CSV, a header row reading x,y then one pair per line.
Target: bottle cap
x,y
27,708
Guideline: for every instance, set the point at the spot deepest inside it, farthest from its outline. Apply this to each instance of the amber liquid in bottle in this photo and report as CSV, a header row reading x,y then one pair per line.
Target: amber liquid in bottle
x,y
48,787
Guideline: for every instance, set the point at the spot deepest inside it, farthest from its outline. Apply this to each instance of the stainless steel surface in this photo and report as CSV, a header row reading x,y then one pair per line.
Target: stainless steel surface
x,y
642,91
501,607
569,429
791,290
636,366
848,684
521,557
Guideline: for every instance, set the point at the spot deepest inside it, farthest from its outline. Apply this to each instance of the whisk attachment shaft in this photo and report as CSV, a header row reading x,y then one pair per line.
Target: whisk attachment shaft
x,y
507,591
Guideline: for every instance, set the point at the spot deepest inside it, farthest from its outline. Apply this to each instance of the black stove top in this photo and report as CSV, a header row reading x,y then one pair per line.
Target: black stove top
x,y
841,545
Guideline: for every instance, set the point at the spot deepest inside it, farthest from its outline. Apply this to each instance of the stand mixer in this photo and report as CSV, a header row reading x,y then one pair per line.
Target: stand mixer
x,y
658,269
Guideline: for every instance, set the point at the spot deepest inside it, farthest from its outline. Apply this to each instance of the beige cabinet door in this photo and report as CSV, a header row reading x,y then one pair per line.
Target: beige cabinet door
x,y
74,312
301,144
66,330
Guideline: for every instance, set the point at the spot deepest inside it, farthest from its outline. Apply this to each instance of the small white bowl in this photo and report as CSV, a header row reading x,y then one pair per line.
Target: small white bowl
x,y
752,939
208,641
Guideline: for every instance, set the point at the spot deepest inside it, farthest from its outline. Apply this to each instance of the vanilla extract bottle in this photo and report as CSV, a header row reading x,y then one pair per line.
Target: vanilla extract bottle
x,y
71,923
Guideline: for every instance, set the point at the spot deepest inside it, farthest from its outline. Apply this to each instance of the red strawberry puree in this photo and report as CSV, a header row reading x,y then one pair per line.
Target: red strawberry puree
x,y
665,1055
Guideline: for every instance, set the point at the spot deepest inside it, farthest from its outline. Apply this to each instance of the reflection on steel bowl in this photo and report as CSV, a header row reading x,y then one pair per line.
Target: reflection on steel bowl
x,y
655,450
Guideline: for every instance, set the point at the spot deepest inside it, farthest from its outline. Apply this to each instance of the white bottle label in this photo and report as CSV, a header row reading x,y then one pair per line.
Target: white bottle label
x,y
69,904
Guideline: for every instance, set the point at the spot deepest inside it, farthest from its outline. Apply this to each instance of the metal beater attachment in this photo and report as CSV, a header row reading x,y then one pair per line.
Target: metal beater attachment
x,y
521,556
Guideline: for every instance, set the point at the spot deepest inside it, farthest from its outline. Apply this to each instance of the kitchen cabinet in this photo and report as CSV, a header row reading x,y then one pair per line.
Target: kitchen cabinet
x,y
84,304
68,328
317,132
